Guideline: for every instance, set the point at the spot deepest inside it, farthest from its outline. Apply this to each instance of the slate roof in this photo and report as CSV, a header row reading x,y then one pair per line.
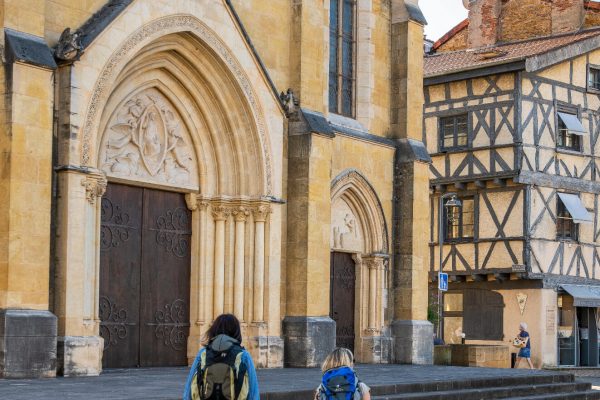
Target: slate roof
x,y
462,60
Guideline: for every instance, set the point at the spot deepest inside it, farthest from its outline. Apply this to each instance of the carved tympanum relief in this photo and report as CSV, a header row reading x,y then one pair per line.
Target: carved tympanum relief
x,y
346,233
146,140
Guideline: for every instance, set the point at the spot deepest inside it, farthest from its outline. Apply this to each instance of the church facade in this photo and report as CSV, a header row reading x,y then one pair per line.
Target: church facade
x,y
168,161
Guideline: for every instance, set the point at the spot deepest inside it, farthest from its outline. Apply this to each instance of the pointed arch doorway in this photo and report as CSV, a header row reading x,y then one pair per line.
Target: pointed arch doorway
x,y
359,254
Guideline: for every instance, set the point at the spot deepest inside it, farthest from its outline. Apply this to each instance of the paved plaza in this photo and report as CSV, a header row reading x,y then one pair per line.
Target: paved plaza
x,y
167,383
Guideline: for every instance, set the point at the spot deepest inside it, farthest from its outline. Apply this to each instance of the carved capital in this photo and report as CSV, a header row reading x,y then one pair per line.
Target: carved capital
x,y
261,213
240,213
221,213
374,262
95,186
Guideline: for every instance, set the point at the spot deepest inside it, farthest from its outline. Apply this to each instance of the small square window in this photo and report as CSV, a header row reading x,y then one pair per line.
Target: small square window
x,y
594,78
569,132
566,228
454,132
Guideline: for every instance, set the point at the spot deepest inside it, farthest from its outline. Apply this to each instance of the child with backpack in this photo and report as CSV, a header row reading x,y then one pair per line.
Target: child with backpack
x,y
339,380
223,369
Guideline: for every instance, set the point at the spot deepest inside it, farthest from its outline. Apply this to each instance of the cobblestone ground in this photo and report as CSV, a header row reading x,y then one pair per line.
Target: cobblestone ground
x,y
167,383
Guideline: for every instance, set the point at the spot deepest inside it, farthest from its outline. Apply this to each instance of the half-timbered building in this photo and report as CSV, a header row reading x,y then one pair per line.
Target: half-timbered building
x,y
512,122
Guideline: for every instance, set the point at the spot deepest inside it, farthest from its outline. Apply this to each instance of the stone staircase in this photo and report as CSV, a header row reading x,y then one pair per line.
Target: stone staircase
x,y
526,387
559,386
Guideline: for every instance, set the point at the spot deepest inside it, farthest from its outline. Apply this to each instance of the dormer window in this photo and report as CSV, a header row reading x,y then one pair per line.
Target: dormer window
x,y
342,16
570,131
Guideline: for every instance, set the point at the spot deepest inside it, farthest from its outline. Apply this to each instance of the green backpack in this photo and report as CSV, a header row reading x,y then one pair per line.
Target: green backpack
x,y
221,375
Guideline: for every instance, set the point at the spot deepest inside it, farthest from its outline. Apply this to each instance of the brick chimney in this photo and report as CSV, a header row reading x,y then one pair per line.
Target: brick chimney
x,y
484,22
567,15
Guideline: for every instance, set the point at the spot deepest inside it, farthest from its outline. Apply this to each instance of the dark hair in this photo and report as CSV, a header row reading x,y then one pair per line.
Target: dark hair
x,y
224,324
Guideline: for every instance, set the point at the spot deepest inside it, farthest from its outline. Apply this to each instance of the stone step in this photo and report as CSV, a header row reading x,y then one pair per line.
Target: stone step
x,y
585,395
492,392
473,383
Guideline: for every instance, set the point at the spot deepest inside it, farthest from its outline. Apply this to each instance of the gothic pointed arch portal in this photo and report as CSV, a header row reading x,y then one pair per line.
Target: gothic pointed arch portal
x,y
359,245
177,107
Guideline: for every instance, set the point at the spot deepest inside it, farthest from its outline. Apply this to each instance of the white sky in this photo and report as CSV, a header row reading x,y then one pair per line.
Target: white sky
x,y
441,15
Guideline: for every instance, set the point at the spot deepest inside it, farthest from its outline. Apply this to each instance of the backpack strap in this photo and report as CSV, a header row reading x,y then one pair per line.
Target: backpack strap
x,y
241,369
200,371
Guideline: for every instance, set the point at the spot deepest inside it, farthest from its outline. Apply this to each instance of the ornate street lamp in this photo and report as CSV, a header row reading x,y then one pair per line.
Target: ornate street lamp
x,y
452,203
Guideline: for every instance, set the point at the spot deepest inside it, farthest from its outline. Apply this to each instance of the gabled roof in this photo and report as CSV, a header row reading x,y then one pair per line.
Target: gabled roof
x,y
464,60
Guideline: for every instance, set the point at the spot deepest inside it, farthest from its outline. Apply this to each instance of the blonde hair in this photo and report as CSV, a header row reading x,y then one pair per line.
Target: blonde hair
x,y
339,357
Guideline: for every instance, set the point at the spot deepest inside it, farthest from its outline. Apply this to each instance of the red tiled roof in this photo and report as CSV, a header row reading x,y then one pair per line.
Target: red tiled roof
x,y
455,61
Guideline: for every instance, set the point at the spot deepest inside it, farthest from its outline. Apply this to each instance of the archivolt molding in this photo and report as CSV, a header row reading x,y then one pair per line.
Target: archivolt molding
x,y
154,30
354,189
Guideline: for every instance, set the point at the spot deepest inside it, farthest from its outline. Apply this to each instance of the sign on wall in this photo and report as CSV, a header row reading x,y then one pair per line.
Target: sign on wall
x,y
522,300
443,281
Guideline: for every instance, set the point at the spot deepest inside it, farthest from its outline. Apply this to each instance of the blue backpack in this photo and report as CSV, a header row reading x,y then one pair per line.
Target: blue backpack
x,y
339,384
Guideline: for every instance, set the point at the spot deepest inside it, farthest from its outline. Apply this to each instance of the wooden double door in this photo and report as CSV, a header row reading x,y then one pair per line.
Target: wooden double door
x,y
144,277
342,300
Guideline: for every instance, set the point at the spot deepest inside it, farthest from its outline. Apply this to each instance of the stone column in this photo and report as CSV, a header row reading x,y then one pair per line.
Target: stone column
x,y
260,216
240,215
372,265
412,333
220,215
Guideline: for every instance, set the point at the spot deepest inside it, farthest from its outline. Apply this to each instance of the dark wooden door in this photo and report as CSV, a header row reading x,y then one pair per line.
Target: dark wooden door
x,y
483,314
144,277
120,250
165,279
343,282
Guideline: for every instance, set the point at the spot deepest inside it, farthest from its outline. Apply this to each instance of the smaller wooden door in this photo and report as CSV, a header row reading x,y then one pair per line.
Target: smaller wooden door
x,y
342,303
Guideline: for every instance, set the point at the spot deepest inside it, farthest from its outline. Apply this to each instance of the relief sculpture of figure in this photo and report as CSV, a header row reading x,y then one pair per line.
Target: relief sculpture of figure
x,y
151,140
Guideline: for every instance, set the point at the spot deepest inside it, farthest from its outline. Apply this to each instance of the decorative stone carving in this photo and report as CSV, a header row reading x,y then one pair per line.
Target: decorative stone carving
x,y
346,233
261,213
357,221
69,46
289,100
221,213
95,186
146,140
149,32
240,213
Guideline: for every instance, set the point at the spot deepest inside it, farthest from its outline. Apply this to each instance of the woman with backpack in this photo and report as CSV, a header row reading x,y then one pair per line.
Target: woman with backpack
x,y
210,375
339,380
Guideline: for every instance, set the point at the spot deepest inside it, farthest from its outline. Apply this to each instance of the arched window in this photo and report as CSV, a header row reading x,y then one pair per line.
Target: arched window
x,y
342,17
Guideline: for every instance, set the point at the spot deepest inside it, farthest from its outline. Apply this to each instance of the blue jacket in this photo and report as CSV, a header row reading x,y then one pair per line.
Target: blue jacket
x,y
252,379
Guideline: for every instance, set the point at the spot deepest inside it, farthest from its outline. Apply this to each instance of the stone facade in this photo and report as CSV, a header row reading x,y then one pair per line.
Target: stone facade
x,y
183,96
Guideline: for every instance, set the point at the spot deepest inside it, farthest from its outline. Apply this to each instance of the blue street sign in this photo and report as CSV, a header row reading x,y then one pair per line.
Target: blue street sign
x,y
443,281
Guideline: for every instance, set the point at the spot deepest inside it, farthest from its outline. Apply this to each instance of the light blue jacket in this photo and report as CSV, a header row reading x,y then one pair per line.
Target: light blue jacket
x,y
252,379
